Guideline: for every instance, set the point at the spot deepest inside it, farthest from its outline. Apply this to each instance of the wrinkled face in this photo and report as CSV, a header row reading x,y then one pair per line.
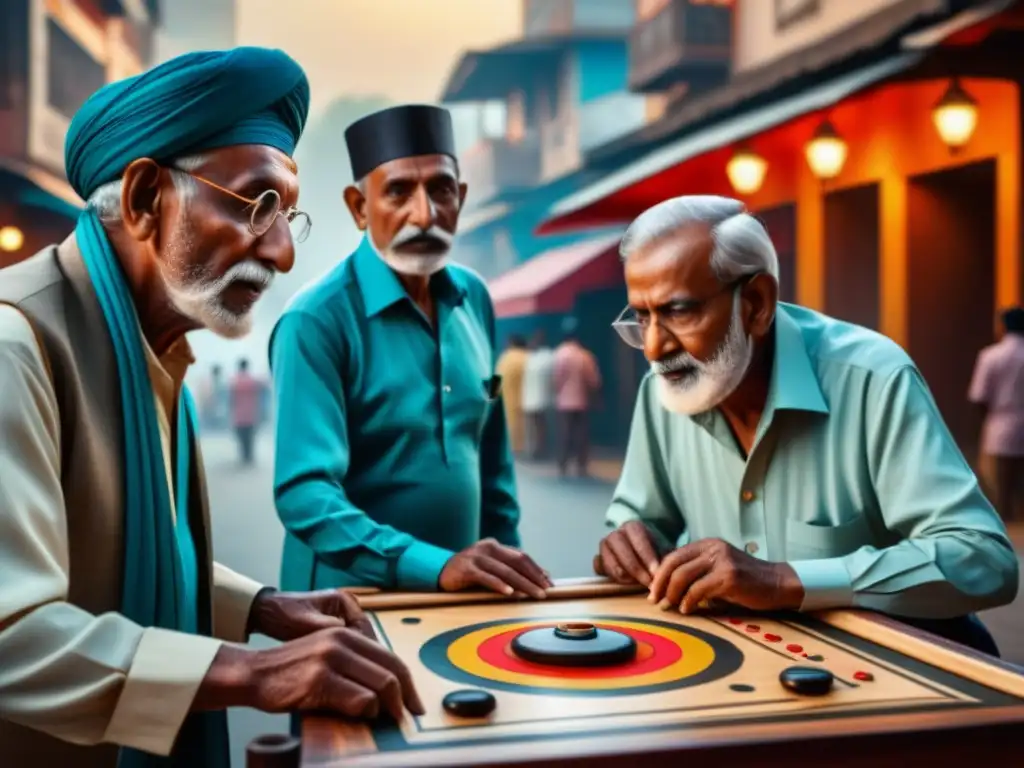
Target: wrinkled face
x,y
696,331
214,267
410,207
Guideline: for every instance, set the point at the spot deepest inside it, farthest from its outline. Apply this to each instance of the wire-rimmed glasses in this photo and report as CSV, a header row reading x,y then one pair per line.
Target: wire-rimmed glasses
x,y
265,208
677,320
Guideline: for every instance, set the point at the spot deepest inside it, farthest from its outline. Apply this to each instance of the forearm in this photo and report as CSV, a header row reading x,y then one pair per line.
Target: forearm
x,y
344,537
92,679
936,577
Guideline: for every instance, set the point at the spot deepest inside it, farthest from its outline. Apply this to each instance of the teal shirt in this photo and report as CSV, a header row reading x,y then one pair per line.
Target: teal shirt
x,y
853,479
392,452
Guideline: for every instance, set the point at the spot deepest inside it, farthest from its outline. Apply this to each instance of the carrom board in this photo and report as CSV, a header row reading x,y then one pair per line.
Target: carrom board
x,y
690,672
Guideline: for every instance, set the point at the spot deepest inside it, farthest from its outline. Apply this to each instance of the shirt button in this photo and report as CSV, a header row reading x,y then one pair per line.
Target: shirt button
x,y
447,388
752,547
748,496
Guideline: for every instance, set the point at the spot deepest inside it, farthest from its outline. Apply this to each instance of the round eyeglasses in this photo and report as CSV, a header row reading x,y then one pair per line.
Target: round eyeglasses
x,y
264,210
678,319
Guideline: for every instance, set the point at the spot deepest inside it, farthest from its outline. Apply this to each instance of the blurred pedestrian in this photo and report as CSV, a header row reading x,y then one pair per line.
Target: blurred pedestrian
x,y
538,394
577,383
511,367
997,389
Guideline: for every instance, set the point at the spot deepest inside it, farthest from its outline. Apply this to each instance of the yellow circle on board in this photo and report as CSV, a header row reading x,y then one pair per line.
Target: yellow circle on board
x,y
697,656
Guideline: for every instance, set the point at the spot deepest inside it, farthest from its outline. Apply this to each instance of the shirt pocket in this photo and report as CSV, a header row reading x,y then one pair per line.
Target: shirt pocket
x,y
811,541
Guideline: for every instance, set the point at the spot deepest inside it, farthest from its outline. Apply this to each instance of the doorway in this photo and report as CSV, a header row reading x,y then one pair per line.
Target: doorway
x,y
851,255
781,225
951,285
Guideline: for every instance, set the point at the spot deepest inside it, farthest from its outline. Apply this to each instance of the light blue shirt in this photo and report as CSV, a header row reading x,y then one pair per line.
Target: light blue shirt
x,y
853,479
392,449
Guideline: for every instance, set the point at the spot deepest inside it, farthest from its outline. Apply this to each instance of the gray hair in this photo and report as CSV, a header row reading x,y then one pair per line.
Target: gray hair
x,y
106,200
741,243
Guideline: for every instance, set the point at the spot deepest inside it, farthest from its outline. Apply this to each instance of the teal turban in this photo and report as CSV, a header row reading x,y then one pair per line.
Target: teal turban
x,y
187,105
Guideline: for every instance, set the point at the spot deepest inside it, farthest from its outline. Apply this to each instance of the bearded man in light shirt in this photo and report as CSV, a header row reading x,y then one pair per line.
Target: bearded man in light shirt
x,y
780,459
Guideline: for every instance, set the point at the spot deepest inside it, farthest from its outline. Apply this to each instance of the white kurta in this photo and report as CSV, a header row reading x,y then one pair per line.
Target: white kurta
x,y
78,677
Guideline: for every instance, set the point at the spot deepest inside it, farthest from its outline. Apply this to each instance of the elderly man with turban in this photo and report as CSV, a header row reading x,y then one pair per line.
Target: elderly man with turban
x,y
120,638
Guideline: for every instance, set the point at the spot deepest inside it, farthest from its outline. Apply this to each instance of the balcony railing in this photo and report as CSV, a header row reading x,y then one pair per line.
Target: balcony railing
x,y
493,166
687,41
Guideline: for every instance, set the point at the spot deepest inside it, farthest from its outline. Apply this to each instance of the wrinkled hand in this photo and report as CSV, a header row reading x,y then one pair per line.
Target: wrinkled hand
x,y
290,615
628,555
338,669
496,567
712,571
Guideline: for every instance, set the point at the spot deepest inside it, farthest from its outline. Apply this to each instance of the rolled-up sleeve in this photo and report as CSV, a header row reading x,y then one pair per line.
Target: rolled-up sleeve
x,y
954,556
78,677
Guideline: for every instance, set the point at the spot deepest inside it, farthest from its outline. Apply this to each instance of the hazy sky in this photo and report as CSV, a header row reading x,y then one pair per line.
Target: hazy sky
x,y
403,49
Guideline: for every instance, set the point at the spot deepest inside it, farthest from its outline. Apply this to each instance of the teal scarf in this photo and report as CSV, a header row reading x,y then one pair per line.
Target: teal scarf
x,y
160,572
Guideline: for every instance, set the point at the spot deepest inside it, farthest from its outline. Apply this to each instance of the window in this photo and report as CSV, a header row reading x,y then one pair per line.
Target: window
x,y
789,12
73,75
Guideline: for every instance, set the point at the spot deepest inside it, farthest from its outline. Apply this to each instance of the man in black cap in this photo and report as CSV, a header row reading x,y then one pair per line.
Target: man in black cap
x,y
393,465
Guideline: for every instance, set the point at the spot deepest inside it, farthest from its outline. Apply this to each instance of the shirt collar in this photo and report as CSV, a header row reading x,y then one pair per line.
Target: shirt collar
x,y
794,385
381,287
167,372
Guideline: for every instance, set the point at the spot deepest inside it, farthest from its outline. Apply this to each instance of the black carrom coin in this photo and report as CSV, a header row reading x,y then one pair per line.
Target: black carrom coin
x,y
469,702
574,644
807,681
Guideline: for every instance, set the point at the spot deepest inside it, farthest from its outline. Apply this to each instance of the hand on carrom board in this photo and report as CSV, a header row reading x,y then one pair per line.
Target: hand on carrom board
x,y
628,555
337,670
494,566
290,615
712,571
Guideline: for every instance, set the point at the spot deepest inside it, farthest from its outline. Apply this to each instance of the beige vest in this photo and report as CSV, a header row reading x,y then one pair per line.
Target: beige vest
x,y
55,292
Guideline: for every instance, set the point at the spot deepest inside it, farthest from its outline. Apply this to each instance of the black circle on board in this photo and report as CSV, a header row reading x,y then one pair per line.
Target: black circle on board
x,y
469,702
807,681
411,620
741,688
547,646
728,659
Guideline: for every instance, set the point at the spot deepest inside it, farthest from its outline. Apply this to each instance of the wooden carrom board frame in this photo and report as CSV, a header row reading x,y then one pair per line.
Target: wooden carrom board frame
x,y
990,726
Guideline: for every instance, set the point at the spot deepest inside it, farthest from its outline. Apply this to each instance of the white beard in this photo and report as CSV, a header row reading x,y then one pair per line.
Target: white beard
x,y
712,381
197,296
418,264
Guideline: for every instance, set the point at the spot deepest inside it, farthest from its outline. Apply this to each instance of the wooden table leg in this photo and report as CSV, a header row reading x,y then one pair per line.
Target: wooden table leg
x,y
273,751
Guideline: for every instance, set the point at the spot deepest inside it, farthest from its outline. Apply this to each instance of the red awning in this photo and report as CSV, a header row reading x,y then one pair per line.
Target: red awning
x,y
550,281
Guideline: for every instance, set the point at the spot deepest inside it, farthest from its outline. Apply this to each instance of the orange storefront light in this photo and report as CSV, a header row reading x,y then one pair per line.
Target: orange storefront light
x,y
746,171
826,152
955,115
11,239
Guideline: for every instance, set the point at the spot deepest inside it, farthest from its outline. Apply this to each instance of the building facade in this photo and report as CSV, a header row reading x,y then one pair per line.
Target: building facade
x,y
53,55
880,143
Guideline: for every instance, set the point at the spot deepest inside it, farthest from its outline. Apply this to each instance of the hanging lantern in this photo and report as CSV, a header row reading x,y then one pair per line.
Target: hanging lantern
x,y
826,152
955,116
11,239
746,171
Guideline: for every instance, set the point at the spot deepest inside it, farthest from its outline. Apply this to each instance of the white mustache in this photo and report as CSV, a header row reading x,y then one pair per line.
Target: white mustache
x,y
409,232
248,272
676,363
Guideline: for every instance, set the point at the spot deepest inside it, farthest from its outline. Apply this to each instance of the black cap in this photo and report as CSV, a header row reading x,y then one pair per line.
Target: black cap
x,y
406,131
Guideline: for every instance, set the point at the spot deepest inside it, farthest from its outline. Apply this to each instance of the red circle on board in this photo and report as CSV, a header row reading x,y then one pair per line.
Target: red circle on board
x,y
654,652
